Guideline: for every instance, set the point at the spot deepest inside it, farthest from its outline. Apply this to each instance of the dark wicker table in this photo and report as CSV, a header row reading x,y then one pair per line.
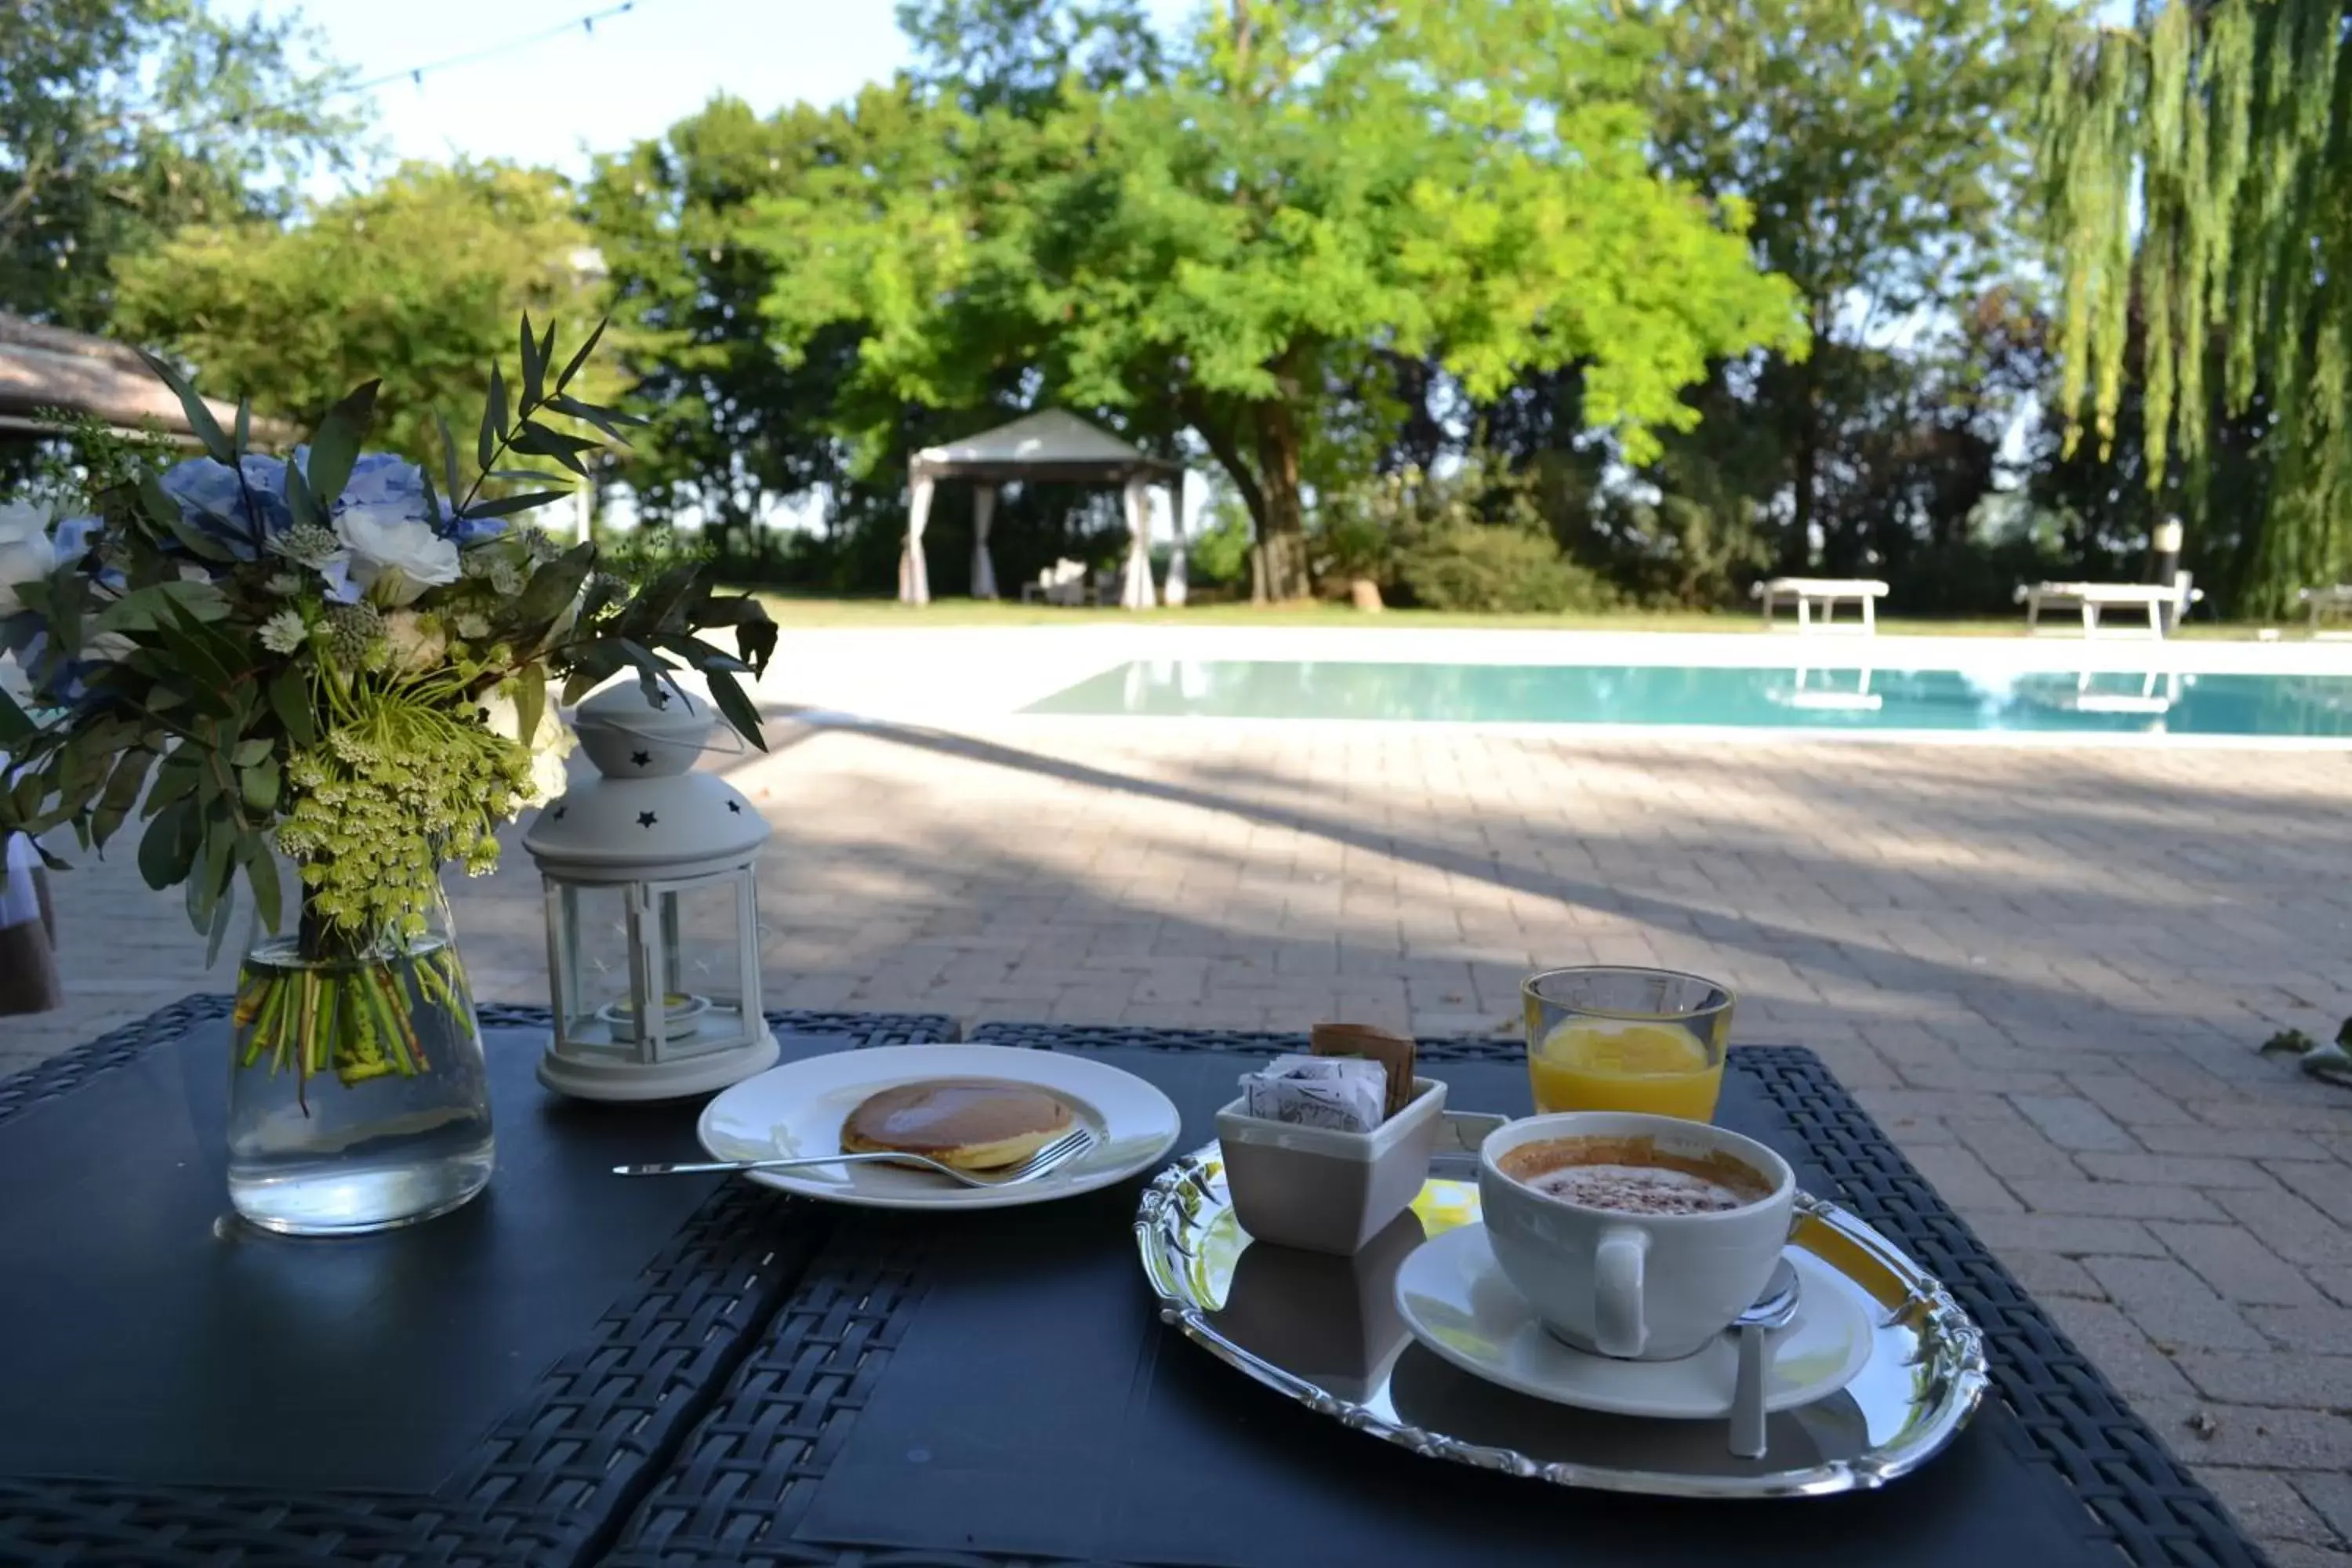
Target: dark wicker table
x,y
747,1397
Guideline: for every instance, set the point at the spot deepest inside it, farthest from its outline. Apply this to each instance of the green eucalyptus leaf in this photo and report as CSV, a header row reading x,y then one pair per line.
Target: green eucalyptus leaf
x,y
602,419
121,792
301,500
551,588
534,372
506,506
580,355
448,456
290,699
335,447
176,779
494,421
538,441
736,706
531,700
201,422
164,855
16,724
261,877
259,785
147,609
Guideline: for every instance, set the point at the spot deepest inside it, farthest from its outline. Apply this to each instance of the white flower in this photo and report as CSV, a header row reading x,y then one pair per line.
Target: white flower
x,y
395,558
473,627
549,743
25,554
417,642
284,632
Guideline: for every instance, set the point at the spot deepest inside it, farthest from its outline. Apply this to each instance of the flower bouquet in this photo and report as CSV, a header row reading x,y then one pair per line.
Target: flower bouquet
x,y
328,658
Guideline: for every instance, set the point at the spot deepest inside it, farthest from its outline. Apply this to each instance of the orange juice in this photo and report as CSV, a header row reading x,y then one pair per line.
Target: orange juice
x,y
1591,1063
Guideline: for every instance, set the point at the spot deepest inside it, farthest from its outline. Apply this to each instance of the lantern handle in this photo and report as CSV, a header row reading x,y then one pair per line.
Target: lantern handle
x,y
736,750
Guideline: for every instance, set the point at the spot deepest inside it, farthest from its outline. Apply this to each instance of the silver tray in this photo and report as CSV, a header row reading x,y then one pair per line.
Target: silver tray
x,y
1326,1332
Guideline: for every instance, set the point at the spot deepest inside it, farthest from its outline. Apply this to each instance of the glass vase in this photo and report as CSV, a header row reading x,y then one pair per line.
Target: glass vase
x,y
358,1095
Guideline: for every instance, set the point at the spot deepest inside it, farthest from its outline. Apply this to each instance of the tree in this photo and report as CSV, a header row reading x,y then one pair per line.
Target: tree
x,y
2200,168
120,120
1315,185
1883,147
418,280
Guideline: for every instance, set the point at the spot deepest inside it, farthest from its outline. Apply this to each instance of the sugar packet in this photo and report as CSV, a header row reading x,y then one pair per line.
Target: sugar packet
x,y
1395,1053
1344,1095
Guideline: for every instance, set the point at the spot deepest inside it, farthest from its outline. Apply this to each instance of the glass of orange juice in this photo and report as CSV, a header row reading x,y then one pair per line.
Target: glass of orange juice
x,y
1626,1039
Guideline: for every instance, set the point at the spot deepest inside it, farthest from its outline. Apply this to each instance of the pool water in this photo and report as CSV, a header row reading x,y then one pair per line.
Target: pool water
x,y
1846,700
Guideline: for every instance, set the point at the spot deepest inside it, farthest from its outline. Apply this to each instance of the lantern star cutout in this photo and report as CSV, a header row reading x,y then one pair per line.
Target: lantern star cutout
x,y
735,806
642,759
647,819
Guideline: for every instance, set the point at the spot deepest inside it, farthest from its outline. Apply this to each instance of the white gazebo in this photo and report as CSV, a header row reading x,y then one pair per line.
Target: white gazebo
x,y
1049,447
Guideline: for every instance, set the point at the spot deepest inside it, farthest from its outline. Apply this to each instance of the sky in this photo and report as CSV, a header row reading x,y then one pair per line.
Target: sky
x,y
631,77
562,93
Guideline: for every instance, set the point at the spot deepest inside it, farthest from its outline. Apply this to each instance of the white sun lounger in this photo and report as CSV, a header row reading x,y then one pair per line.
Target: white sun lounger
x,y
1824,592
2090,598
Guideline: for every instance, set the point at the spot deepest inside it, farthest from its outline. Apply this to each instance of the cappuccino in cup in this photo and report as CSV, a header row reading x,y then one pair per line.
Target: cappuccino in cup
x,y
1632,1236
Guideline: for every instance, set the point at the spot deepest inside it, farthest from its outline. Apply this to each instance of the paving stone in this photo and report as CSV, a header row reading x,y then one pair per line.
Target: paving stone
x,y
2180,1169
2292,1553
2270,1377
2331,1497
2268,1506
2288,1226
2118,1200
2051,1274
1964,1180
2321,1331
2172,1306
2245,1143
2118,1348
2068,1234
2070,1121
2235,1263
2249,1435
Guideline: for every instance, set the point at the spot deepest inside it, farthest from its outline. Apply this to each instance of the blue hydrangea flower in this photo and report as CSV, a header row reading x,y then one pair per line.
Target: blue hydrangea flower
x,y
210,498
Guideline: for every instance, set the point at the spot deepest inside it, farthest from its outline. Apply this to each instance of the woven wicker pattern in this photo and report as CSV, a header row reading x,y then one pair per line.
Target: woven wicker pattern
x,y
547,1484
745,1476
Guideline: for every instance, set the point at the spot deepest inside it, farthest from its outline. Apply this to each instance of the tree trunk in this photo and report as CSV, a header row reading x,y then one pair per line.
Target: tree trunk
x,y
1281,570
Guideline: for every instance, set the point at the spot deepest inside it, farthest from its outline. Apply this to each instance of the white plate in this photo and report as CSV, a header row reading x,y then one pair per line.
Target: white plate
x,y
799,1108
1456,1301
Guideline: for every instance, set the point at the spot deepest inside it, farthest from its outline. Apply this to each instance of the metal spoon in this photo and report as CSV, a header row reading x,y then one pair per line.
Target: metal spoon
x,y
1772,1309
1051,1157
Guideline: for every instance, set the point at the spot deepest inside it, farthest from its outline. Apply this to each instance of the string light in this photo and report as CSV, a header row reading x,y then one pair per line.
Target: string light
x,y
417,73
587,24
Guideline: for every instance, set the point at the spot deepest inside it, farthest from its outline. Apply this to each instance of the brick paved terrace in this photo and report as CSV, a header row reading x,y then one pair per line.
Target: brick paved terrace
x,y
2044,970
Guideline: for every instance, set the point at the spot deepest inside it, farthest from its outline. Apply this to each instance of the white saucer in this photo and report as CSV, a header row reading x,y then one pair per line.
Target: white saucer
x,y
798,1109
1456,1301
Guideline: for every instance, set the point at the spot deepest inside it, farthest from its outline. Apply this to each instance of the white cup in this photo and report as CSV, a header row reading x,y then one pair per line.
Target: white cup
x,y
1635,1285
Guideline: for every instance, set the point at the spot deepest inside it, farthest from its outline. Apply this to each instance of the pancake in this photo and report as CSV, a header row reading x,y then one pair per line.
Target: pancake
x,y
973,1124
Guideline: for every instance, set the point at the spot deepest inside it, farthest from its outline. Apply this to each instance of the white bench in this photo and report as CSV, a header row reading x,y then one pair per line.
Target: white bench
x,y
1825,592
2090,598
2324,600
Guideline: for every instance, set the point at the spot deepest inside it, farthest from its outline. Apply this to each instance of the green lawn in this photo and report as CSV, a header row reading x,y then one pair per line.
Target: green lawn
x,y
791,610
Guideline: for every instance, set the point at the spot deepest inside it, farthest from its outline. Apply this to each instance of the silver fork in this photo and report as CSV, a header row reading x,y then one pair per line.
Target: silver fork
x,y
1054,1155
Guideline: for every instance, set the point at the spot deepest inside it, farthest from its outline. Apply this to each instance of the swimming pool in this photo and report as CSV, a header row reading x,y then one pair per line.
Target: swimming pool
x,y
1849,701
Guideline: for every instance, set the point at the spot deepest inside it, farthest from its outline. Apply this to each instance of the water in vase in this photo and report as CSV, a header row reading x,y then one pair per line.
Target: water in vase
x,y
358,1095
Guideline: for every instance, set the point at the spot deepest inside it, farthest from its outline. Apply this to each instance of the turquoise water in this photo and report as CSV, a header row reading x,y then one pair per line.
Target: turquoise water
x,y
1783,698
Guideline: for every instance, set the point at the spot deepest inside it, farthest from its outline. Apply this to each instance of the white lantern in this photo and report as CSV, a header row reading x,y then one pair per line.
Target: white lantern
x,y
653,928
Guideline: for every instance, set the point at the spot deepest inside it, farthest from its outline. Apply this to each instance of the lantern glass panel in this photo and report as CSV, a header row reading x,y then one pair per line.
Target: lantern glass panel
x,y
700,931
588,924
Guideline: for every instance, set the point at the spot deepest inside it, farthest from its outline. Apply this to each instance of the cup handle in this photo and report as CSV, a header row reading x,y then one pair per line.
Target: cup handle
x,y
1617,1326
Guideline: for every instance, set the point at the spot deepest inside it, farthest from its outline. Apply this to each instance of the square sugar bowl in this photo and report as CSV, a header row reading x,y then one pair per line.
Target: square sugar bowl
x,y
1323,1190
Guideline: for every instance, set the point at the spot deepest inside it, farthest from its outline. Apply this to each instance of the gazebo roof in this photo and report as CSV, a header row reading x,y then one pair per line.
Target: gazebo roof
x,y
1051,444
51,367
